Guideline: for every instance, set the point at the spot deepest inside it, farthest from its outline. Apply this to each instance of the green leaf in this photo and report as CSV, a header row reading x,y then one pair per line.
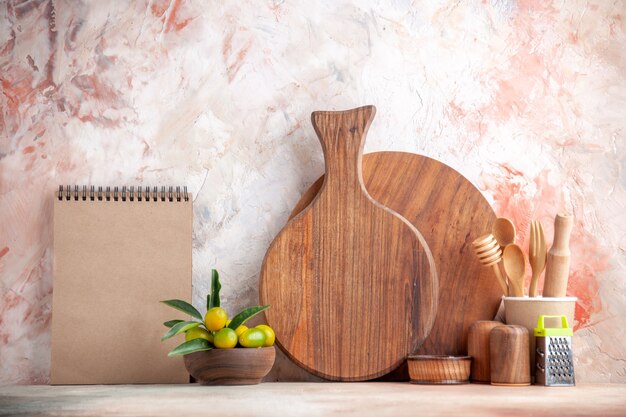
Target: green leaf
x,y
195,345
246,314
215,289
172,322
184,306
208,301
183,326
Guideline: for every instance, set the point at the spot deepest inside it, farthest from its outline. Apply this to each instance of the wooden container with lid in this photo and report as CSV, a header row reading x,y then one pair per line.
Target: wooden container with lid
x,y
478,349
509,356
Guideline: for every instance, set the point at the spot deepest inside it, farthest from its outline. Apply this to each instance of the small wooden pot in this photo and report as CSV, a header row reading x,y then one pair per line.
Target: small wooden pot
x,y
509,356
439,369
238,366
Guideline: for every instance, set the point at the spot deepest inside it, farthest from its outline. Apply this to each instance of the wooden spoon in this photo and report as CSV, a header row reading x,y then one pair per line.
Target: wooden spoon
x,y
504,231
515,268
488,252
536,255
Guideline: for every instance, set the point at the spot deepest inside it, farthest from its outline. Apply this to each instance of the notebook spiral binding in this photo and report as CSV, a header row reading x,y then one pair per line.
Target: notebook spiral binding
x,y
126,193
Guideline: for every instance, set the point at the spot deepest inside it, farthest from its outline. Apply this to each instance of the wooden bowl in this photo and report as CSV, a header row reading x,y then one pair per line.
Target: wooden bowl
x,y
439,369
238,366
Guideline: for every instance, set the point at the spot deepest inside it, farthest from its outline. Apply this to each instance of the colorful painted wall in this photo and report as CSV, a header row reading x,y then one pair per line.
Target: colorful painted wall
x,y
525,98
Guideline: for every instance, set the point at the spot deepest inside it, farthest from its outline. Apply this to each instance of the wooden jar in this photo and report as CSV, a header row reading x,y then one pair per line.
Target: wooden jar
x,y
509,356
478,349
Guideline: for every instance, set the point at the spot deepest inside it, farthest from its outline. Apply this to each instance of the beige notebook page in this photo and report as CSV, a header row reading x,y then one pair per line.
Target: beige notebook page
x,y
113,262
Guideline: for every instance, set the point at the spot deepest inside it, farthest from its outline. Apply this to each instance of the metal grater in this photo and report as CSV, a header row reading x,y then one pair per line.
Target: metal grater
x,y
555,366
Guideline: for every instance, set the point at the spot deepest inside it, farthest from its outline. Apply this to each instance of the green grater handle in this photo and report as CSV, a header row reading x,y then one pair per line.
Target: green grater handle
x,y
542,331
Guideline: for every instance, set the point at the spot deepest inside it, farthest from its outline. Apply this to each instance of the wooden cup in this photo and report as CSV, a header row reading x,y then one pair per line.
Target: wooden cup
x,y
509,356
478,349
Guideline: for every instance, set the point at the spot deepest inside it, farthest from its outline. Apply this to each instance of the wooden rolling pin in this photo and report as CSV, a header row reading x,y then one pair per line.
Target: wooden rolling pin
x,y
557,267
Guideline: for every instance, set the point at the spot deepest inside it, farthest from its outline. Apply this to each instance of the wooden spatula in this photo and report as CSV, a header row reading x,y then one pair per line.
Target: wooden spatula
x,y
536,255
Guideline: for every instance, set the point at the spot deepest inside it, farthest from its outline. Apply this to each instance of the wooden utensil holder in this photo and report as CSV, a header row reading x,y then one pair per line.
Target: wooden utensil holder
x,y
524,311
478,348
509,356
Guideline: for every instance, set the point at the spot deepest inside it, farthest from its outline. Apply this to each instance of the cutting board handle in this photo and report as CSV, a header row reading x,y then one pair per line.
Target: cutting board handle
x,y
342,135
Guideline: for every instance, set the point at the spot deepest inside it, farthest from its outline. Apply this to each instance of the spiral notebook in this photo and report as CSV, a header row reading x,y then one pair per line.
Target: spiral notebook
x,y
117,252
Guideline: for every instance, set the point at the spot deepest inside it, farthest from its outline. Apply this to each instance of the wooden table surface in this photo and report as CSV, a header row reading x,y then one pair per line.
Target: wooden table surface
x,y
312,399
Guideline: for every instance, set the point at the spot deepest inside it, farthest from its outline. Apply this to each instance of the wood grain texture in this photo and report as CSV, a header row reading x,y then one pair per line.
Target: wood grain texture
x,y
450,213
444,370
239,366
509,355
352,284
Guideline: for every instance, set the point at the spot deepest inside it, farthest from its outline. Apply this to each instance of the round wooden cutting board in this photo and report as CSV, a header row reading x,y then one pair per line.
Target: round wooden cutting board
x,y
449,212
352,284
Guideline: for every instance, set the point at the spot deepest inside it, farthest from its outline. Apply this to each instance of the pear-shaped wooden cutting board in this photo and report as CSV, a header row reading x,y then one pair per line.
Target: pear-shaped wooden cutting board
x,y
450,212
352,284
